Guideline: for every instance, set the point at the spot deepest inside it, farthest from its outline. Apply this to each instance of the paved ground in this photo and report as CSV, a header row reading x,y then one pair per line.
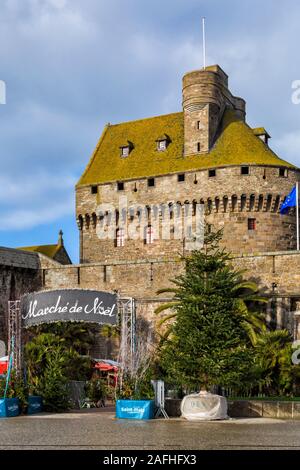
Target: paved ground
x,y
100,430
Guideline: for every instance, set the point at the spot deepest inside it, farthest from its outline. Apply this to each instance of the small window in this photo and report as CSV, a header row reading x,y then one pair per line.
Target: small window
x,y
161,145
151,182
209,228
125,151
251,224
149,235
120,237
198,125
181,178
244,170
283,172
211,173
198,147
120,186
94,189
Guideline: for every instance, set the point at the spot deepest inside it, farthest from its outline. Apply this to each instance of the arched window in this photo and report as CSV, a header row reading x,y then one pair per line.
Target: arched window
x,y
120,237
149,235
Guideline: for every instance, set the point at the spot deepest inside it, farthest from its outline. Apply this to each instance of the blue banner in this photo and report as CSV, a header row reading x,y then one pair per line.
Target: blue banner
x,y
135,409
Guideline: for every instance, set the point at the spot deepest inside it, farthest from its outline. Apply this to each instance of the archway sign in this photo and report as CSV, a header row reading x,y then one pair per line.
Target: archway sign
x,y
67,305
75,305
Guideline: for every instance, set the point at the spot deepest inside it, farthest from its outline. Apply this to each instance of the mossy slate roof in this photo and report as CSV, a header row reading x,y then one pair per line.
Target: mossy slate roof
x,y
47,250
236,145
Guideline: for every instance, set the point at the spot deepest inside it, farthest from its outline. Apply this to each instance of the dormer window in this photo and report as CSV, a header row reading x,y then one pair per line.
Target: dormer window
x,y
162,142
126,149
262,134
162,145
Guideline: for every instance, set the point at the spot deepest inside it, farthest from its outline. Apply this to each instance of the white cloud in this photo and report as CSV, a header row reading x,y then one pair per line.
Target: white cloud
x,y
30,218
289,146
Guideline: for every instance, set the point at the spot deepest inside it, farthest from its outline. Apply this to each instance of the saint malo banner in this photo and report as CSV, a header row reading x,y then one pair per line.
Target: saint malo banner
x,y
69,305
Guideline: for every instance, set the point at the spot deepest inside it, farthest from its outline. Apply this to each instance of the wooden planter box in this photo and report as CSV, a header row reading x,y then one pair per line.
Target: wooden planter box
x,y
9,407
135,409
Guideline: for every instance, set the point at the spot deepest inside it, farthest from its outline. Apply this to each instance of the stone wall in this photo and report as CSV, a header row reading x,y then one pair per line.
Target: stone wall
x,y
228,201
19,273
248,408
278,275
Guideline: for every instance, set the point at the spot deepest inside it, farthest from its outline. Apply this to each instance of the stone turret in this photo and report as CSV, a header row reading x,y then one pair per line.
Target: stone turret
x,y
205,97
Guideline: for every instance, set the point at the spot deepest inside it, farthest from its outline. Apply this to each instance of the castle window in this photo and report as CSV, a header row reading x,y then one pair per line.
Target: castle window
x,y
151,182
244,170
198,125
181,178
149,235
120,237
211,173
120,186
198,147
161,145
126,149
162,142
251,224
283,172
94,189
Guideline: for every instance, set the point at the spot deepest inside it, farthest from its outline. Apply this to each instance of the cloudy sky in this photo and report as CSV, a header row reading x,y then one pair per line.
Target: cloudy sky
x,y
70,66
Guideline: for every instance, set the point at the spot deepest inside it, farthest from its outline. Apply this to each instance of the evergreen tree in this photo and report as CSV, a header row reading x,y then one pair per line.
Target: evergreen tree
x,y
208,342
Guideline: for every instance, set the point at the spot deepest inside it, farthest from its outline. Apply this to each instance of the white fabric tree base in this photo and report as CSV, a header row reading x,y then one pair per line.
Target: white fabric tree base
x,y
204,406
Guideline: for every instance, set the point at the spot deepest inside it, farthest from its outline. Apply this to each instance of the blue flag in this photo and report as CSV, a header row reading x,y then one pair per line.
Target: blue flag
x,y
290,201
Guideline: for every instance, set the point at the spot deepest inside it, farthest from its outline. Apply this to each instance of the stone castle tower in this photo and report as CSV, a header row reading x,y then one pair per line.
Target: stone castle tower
x,y
205,154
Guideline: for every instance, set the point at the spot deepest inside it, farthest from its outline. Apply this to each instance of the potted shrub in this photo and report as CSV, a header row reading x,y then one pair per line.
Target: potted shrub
x,y
135,402
35,404
134,392
9,401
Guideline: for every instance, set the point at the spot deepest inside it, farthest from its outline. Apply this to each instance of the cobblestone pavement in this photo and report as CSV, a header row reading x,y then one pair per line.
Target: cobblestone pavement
x,y
100,430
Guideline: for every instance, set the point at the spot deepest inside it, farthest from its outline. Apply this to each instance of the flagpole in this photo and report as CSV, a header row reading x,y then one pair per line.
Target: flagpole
x,y
203,43
297,213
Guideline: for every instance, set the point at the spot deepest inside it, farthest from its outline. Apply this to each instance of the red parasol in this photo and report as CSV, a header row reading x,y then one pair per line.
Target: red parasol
x,y
105,367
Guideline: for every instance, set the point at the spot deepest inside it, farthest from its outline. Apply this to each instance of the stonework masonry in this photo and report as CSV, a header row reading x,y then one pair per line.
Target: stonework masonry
x,y
20,272
229,200
278,275
205,97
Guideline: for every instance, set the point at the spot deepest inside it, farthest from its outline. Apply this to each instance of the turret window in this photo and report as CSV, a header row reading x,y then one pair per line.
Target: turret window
x,y
94,189
211,173
283,172
120,186
198,147
151,182
244,170
181,178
